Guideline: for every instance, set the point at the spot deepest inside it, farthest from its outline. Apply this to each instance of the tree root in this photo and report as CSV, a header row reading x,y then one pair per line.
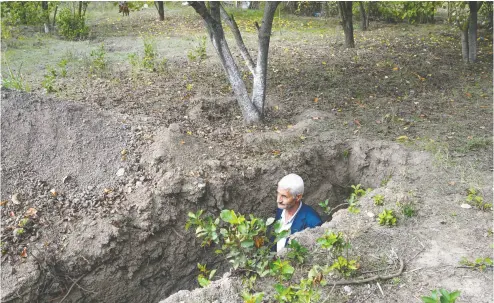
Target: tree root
x,y
370,279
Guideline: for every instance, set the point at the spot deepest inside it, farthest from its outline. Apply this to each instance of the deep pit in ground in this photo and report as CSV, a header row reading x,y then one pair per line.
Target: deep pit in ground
x,y
112,193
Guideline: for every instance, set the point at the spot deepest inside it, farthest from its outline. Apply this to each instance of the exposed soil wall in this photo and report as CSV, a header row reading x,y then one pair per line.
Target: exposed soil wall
x,y
112,194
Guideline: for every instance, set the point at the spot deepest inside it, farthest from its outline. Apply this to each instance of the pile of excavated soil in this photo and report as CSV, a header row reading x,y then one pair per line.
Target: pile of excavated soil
x,y
94,204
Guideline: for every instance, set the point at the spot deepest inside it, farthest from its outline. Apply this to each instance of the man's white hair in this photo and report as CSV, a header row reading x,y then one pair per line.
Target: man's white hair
x,y
293,183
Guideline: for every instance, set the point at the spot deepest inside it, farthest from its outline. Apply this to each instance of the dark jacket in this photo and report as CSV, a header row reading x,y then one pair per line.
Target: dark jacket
x,y
306,217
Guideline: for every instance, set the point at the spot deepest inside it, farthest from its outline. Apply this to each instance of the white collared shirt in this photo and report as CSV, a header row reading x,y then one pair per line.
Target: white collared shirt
x,y
286,225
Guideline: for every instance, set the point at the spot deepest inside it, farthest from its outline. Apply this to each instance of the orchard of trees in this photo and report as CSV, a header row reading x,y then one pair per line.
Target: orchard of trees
x,y
69,22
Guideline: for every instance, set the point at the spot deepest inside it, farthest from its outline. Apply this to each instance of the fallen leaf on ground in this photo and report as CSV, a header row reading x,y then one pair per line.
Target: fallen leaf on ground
x,y
402,139
30,212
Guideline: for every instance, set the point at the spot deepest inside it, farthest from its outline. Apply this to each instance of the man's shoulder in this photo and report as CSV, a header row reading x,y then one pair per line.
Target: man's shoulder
x,y
311,215
308,209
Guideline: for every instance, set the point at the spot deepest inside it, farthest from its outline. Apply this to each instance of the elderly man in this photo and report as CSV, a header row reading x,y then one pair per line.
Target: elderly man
x,y
295,215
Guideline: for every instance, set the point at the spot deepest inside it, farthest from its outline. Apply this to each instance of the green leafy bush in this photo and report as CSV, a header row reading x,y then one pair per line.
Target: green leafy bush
x,y
149,54
71,26
333,242
150,59
199,52
205,275
282,269
441,296
297,252
252,298
354,197
387,217
475,198
22,12
48,82
378,200
98,60
408,210
63,67
344,266
244,242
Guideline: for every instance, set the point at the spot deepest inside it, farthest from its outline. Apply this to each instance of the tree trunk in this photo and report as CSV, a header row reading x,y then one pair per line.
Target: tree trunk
x,y
363,16
55,16
259,87
80,9
254,5
464,44
216,34
472,30
46,15
345,8
449,12
161,10
252,108
84,6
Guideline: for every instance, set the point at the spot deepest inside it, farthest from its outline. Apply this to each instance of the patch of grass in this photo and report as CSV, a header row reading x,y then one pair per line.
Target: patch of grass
x,y
14,80
440,150
386,180
475,143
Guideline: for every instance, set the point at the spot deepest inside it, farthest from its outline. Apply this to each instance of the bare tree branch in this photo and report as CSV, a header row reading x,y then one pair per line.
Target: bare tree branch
x,y
230,21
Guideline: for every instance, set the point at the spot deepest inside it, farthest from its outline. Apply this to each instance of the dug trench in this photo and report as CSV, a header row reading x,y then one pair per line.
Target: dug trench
x,y
107,195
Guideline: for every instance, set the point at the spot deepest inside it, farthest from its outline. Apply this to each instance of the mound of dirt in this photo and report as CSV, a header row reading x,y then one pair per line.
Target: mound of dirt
x,y
95,202
430,244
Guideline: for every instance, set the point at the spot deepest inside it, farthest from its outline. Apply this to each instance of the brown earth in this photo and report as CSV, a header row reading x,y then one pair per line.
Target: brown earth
x,y
128,153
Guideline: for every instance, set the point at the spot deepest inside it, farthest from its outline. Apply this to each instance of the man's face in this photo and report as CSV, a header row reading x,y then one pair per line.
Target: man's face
x,y
286,200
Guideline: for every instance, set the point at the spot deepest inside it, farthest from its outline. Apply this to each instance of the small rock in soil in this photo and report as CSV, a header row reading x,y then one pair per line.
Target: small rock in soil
x,y
121,172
